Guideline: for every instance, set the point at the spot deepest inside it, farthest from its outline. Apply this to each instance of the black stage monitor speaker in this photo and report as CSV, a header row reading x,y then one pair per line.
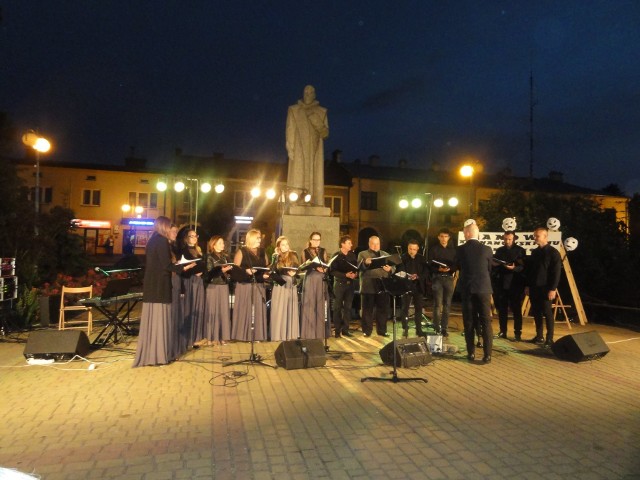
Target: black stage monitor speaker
x,y
57,344
294,354
411,352
579,347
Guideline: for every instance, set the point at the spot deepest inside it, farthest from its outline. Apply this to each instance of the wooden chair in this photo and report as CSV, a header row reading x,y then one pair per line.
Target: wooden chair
x,y
72,306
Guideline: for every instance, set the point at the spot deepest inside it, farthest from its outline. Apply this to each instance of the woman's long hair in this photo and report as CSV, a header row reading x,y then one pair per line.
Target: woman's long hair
x,y
287,259
211,244
162,226
196,246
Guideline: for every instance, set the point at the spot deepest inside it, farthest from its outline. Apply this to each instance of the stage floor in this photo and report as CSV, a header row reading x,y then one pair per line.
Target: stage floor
x,y
525,415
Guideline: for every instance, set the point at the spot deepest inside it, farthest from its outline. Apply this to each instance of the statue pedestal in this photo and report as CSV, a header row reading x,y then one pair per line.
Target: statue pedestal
x,y
300,221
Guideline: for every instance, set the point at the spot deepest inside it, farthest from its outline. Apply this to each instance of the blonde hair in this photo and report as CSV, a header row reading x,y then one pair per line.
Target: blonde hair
x,y
251,236
162,226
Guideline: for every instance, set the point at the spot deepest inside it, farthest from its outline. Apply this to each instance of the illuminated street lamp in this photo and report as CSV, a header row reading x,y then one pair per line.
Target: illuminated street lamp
x,y
40,145
467,171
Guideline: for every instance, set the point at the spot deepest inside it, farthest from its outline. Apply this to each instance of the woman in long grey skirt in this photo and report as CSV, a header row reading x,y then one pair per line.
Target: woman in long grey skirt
x,y
194,290
315,322
217,321
156,337
250,293
285,320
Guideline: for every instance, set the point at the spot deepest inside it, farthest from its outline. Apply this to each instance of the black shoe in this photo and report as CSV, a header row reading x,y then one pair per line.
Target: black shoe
x,y
420,334
471,357
548,344
501,335
347,334
517,338
537,340
405,333
338,335
385,334
486,359
445,334
479,344
367,334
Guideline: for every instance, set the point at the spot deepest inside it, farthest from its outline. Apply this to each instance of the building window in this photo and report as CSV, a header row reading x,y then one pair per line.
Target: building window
x,y
335,204
91,198
46,194
143,199
369,200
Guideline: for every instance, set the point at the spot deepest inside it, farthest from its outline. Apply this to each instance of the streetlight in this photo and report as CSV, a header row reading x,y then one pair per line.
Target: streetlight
x,y
40,145
468,171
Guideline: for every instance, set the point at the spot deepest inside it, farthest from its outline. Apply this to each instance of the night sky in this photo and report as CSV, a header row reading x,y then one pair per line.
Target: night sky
x,y
422,80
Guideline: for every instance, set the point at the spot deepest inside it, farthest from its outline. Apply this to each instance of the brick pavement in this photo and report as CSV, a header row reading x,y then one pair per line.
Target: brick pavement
x,y
526,415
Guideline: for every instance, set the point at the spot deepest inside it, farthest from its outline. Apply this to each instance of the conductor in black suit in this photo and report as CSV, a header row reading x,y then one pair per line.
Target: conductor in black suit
x,y
474,260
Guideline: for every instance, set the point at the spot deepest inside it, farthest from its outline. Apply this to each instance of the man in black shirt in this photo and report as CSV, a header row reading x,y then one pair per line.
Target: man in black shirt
x,y
543,275
442,265
509,283
415,267
344,271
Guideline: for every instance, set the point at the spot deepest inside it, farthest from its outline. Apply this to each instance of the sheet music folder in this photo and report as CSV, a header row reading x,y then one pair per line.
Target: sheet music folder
x,y
379,262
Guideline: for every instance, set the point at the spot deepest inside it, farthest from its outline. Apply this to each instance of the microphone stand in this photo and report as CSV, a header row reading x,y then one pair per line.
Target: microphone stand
x,y
394,378
254,358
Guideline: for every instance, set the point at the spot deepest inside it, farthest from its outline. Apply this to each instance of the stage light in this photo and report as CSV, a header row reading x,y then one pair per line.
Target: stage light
x,y
219,187
161,186
179,186
416,203
293,196
126,208
403,203
255,192
307,198
438,202
205,187
271,194
453,202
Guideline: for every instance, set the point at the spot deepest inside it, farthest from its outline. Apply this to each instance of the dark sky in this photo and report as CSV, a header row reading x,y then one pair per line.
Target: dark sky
x,y
420,80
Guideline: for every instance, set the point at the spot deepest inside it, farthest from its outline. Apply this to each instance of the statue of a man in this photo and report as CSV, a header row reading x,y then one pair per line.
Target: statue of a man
x,y
307,127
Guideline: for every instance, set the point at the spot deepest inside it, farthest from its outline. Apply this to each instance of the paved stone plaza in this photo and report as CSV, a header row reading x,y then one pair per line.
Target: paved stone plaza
x,y
526,415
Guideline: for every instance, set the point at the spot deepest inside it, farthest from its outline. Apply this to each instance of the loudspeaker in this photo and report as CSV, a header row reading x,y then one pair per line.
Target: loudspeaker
x,y
57,344
410,352
294,354
579,347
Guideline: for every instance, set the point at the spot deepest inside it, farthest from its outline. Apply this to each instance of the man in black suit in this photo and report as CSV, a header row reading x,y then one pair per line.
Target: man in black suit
x,y
509,283
414,266
543,275
474,262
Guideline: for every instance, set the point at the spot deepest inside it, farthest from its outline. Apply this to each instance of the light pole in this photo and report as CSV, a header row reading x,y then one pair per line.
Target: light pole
x,y
179,186
40,145
468,171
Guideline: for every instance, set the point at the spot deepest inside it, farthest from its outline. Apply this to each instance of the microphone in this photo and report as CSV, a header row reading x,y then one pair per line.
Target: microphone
x,y
104,272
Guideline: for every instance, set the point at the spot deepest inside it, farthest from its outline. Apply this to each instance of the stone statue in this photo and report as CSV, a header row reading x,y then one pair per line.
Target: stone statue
x,y
307,127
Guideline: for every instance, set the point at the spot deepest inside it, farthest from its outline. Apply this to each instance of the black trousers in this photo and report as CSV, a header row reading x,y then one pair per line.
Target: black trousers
x,y
343,292
477,307
418,304
541,306
509,299
375,305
